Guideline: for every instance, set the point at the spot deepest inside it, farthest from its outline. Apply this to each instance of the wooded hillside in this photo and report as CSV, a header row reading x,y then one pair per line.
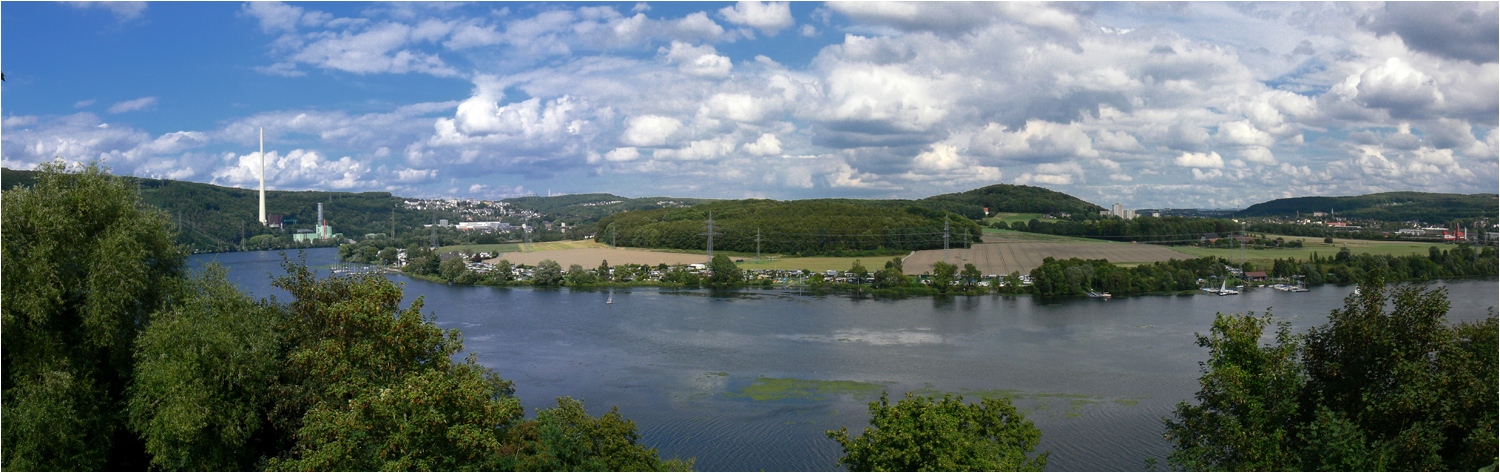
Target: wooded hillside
x,y
1385,206
803,227
1010,198
212,217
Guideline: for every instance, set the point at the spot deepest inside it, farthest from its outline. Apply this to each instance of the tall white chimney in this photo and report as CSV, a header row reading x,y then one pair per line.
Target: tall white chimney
x,y
262,176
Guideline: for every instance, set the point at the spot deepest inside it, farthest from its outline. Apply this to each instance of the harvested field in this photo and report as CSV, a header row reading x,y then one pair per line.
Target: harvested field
x,y
1004,258
590,257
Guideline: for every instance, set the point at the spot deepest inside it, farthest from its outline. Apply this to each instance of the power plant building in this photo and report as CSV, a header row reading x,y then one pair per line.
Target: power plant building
x,y
321,230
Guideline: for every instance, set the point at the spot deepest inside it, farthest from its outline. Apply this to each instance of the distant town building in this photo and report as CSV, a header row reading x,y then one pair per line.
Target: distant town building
x,y
1118,210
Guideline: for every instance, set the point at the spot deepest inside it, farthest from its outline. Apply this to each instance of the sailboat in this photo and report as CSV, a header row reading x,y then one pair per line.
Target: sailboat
x,y
611,299
1224,289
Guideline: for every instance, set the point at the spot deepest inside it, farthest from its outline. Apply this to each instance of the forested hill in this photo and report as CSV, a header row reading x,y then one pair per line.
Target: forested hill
x,y
212,217
1011,198
595,206
801,227
1386,206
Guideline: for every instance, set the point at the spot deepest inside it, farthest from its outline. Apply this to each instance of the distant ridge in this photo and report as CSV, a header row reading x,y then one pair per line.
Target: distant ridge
x,y
215,218
1014,198
1386,206
596,206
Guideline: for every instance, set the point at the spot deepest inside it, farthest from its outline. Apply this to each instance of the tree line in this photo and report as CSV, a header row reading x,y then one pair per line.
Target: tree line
x,y
1141,229
1459,261
802,228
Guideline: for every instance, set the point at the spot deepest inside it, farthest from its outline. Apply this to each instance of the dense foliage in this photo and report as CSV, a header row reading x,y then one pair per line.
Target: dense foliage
x,y
921,433
1142,229
1387,206
86,266
803,227
1074,277
1012,198
115,359
1370,390
1458,261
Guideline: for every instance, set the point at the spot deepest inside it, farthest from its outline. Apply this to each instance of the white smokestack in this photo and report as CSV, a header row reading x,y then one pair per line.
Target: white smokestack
x,y
262,176
320,213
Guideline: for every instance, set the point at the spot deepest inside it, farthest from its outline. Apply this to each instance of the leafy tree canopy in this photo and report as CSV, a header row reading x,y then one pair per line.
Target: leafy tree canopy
x,y
1371,389
86,264
922,433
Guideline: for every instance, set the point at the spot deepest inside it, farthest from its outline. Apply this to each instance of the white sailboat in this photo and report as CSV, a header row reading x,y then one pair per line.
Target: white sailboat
x,y
611,299
1224,289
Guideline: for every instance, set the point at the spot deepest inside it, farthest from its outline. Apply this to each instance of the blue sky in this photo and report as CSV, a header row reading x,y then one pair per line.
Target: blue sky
x,y
1151,105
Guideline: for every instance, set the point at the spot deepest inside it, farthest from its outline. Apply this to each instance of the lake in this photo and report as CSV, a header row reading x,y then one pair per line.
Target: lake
x,y
750,380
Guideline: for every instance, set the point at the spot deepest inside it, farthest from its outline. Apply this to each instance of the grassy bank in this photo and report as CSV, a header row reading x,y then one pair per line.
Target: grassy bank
x,y
1312,245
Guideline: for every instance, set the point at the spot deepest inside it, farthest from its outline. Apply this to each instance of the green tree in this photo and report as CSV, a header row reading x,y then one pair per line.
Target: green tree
x,y
204,371
942,275
566,438
547,273
1012,283
577,276
921,433
86,264
724,272
368,385
603,271
388,255
890,277
895,263
422,262
970,275
503,272
453,268
859,271
1371,389
1248,402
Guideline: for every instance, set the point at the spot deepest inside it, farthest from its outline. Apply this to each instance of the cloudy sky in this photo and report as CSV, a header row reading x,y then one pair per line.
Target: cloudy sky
x,y
1151,105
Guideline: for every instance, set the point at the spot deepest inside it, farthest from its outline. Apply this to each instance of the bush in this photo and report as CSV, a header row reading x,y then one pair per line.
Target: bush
x,y
925,434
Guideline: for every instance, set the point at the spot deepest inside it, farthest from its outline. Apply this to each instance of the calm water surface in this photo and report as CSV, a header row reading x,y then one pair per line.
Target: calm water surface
x,y
1096,376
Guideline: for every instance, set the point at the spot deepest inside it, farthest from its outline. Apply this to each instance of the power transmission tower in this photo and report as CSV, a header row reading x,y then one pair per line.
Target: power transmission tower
x,y
434,228
710,234
945,238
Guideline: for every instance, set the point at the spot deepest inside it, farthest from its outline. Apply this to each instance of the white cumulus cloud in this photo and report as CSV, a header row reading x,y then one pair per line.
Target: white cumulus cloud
x,y
768,17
